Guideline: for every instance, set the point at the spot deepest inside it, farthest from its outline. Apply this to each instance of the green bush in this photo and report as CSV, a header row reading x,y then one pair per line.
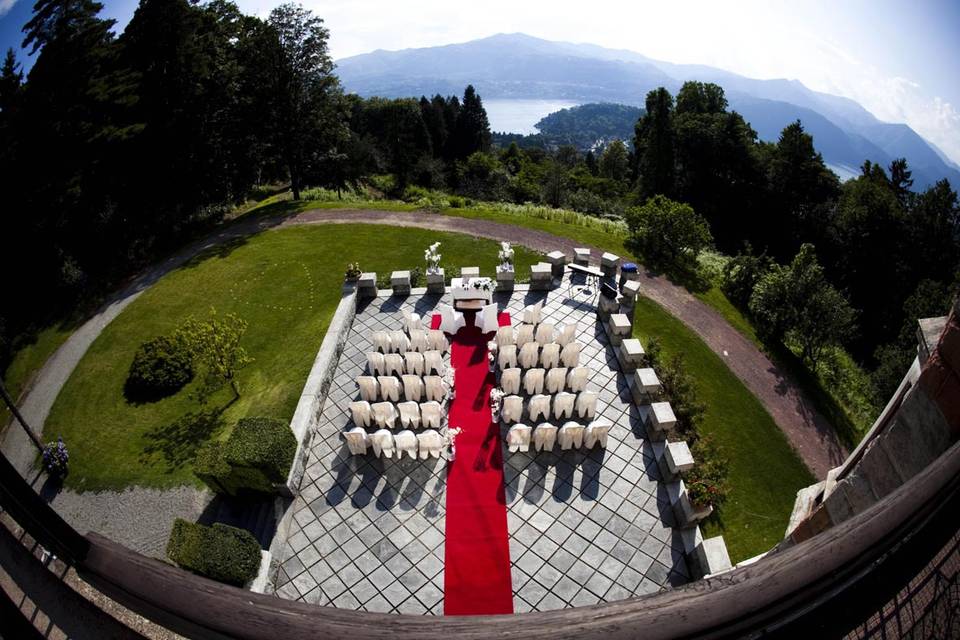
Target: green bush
x,y
220,552
255,457
160,368
706,482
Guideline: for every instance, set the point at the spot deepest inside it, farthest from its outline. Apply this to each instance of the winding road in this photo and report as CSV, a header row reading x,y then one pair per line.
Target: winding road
x,y
806,429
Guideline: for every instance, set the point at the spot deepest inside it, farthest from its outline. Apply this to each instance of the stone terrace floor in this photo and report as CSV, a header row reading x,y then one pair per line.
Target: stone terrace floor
x,y
585,527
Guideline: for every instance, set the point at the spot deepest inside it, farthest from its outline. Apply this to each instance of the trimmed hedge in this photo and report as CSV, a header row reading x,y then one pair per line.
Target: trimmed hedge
x,y
160,368
257,455
220,552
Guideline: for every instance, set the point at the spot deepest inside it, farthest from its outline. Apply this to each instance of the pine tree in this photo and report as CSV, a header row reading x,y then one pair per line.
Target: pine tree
x,y
473,128
653,141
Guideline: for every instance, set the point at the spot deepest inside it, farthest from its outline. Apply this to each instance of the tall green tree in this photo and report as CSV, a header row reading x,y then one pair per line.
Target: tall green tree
x,y
614,163
668,232
472,130
653,143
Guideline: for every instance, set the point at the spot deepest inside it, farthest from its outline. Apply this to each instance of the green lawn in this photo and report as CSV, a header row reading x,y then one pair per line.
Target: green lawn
x,y
286,284
765,472
28,361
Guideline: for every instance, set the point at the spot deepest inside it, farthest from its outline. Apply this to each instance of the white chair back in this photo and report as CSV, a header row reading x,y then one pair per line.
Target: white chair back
x,y
524,334
413,363
409,414
393,363
507,358
356,440
375,363
570,436
437,341
596,433
430,415
382,442
563,405
545,333
528,355
419,341
381,341
412,387
531,313
544,436
487,318
586,404
434,389
567,334
550,355
430,443
384,414
510,380
518,438
411,321
556,378
433,363
577,379
405,442
512,409
399,343
360,411
389,388
570,356
533,381
450,320
369,388
539,407
505,336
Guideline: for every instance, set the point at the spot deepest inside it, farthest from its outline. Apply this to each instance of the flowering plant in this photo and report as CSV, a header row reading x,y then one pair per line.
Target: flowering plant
x,y
506,256
432,257
483,284
55,458
706,482
353,270
496,399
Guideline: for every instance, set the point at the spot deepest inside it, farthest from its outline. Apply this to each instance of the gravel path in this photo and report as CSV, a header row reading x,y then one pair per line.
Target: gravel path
x,y
141,518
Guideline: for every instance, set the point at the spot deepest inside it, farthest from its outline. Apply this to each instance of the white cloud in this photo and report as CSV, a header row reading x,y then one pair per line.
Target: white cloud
x,y
5,6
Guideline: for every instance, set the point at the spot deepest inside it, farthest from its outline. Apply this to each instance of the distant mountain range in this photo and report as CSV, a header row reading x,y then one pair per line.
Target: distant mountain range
x,y
520,66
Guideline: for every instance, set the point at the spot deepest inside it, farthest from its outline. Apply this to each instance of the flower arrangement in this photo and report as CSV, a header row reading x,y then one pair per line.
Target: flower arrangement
x,y
506,256
706,482
432,257
483,284
55,458
496,400
452,434
353,271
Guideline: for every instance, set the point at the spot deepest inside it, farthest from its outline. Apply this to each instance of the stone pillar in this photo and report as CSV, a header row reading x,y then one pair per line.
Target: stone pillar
x,y
644,385
660,421
712,556
367,285
541,278
581,256
618,328
686,513
557,260
630,355
435,280
675,459
628,297
469,272
609,263
400,281
505,278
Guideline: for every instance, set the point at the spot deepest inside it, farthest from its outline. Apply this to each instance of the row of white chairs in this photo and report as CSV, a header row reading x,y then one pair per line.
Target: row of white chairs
x,y
536,380
419,340
411,362
388,415
543,334
564,405
531,354
428,443
410,386
571,435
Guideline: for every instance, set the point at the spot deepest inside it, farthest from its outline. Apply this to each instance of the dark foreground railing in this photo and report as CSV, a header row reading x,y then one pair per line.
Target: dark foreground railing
x,y
826,587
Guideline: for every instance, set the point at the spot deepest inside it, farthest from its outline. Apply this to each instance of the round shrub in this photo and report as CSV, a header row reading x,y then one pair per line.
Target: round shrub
x,y
160,368
220,552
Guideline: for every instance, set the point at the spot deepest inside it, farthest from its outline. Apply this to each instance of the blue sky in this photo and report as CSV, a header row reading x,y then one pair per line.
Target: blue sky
x,y
900,60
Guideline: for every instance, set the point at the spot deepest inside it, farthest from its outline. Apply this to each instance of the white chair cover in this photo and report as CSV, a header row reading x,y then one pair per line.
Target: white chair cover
x,y
550,355
411,321
399,343
487,318
563,405
570,436
393,363
409,414
510,380
382,442
586,404
419,341
405,442
518,438
512,409
539,407
531,313
356,440
437,341
528,355
533,381
389,388
524,334
596,433
412,387
381,341
505,336
375,363
556,378
507,358
360,411
434,389
545,333
450,320
431,444
567,334
433,363
577,379
544,436
369,388
570,356
385,414
430,416
413,363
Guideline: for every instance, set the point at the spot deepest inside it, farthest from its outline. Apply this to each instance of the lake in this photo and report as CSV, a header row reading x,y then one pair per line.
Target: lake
x,y
519,116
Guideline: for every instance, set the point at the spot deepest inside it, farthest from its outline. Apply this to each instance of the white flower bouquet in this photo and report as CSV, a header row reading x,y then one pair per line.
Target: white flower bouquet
x,y
432,257
506,256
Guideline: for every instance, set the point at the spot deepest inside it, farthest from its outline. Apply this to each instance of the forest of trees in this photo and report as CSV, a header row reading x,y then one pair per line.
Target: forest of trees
x,y
119,147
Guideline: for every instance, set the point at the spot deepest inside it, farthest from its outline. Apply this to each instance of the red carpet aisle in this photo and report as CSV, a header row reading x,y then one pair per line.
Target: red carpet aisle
x,y
477,556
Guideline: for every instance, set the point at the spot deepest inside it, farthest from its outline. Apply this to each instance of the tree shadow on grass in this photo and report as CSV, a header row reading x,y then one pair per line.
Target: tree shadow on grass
x,y
177,443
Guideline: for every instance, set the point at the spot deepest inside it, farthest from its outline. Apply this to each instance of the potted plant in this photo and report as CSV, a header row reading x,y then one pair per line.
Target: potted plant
x,y
55,459
706,481
505,256
432,257
352,273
